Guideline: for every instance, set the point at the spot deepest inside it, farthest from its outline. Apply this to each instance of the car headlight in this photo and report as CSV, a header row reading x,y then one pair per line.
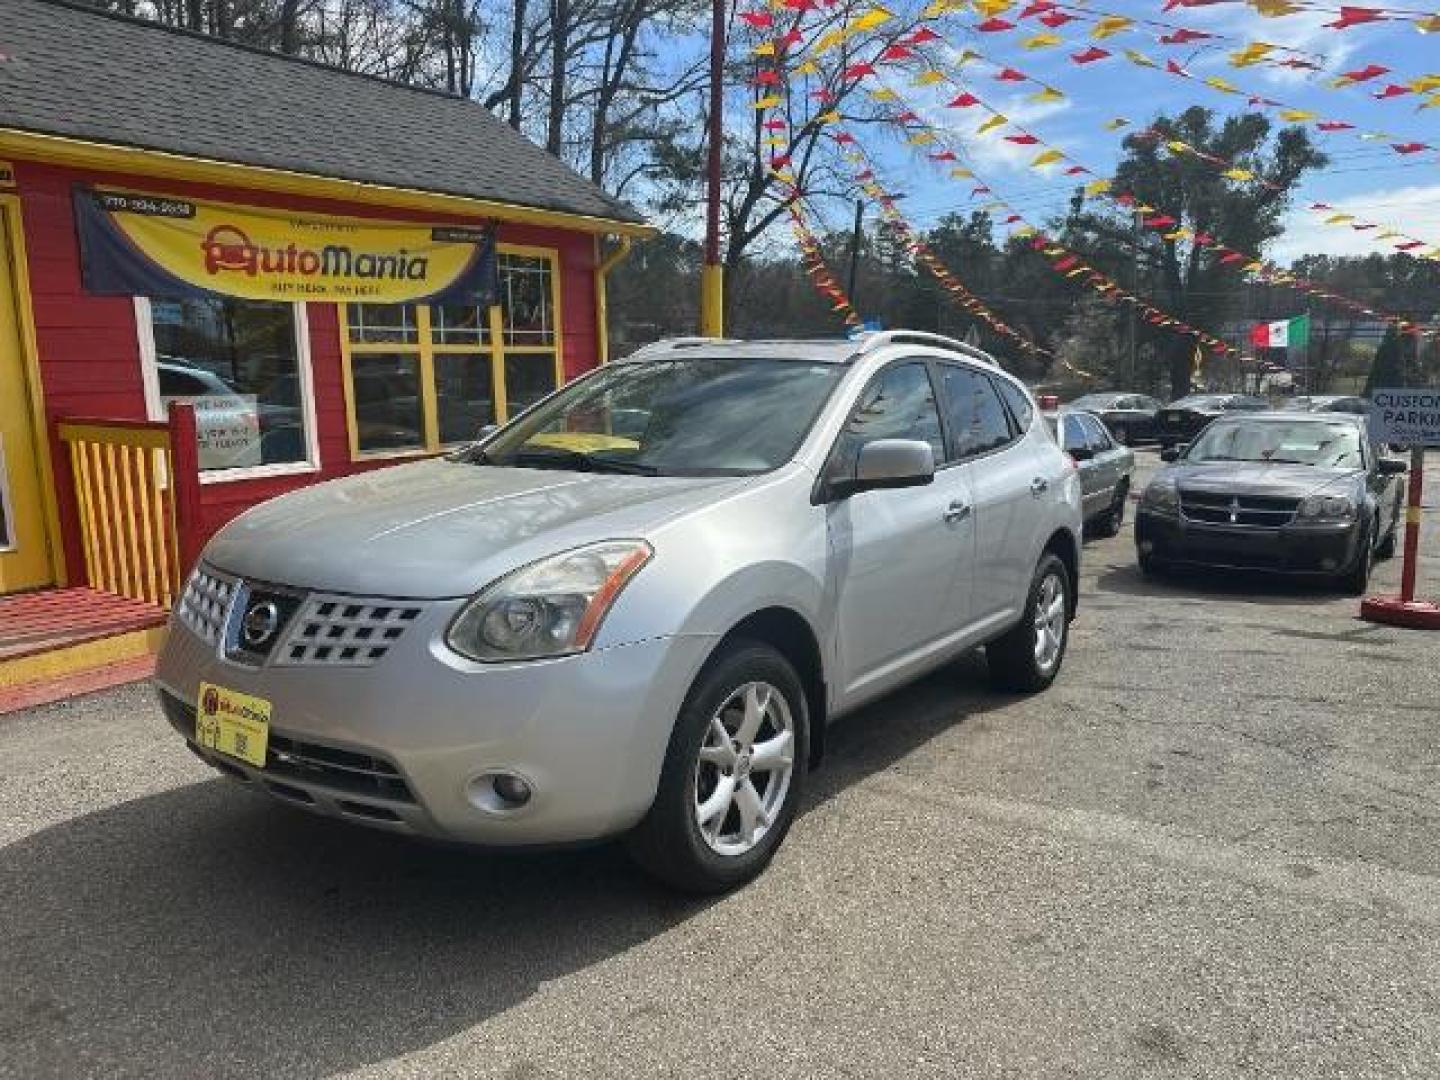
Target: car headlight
x,y
1161,497
550,608
1326,508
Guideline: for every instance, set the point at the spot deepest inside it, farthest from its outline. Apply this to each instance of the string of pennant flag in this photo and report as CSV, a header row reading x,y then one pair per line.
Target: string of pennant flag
x,y
1250,264
906,48
1103,25
1058,258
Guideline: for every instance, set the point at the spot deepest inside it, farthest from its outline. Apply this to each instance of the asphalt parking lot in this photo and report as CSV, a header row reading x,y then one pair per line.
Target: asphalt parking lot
x,y
1209,850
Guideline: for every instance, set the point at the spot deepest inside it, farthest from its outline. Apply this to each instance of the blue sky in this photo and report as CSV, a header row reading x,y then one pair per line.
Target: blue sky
x,y
1366,178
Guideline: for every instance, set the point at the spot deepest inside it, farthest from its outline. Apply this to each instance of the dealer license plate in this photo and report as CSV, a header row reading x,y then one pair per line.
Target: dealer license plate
x,y
233,723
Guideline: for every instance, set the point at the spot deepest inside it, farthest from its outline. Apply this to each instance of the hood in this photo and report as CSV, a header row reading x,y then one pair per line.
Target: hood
x,y
1257,478
440,528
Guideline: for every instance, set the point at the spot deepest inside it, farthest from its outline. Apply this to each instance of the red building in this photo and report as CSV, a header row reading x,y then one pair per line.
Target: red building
x,y
335,271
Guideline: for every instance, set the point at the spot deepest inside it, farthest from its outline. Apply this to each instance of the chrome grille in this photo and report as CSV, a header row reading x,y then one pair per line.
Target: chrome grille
x,y
343,631
1256,511
205,604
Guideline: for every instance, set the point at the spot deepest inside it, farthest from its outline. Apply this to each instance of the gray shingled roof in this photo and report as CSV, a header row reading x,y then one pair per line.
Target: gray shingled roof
x,y
79,73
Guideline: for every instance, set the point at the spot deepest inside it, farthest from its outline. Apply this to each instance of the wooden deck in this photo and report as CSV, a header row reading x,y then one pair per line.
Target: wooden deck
x,y
41,621
59,642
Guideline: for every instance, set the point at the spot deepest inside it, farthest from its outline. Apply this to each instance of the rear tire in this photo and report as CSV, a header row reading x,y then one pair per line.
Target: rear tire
x,y
748,815
1027,658
1113,519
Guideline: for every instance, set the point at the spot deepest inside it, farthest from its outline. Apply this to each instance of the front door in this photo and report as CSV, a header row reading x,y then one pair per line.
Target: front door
x,y
895,556
24,543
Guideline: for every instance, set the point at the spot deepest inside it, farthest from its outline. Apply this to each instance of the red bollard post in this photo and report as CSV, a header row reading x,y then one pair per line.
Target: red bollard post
x,y
1405,610
1412,525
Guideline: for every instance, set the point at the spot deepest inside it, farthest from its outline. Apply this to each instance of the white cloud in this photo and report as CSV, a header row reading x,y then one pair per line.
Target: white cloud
x,y
1416,210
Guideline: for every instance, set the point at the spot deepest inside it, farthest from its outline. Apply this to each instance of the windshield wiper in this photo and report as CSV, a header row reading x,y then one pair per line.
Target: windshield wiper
x,y
558,458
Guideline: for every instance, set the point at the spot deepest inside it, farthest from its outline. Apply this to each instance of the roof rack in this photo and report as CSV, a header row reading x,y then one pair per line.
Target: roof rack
x,y
875,339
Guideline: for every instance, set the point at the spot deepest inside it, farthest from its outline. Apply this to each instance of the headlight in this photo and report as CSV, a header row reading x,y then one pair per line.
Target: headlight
x,y
1161,497
1326,508
550,608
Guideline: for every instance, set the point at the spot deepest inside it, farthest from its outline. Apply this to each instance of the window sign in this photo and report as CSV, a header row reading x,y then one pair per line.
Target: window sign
x,y
237,362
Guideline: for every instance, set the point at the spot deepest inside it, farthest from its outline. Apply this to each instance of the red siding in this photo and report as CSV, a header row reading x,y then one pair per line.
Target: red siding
x,y
90,360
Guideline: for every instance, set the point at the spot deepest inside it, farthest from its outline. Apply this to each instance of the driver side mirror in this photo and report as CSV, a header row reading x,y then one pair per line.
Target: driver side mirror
x,y
1081,453
1389,466
886,463
1174,453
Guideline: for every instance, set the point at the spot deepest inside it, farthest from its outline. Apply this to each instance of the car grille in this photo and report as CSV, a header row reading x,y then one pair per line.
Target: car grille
x,y
338,631
353,772
1257,511
205,605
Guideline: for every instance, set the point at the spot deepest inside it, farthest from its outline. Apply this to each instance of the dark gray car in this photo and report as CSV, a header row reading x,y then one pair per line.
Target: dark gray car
x,y
1107,469
1296,493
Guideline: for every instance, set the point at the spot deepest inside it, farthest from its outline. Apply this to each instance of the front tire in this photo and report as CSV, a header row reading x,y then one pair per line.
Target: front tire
x,y
1027,659
732,776
1356,580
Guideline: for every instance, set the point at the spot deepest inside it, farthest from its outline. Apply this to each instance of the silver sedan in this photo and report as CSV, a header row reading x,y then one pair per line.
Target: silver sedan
x,y
633,609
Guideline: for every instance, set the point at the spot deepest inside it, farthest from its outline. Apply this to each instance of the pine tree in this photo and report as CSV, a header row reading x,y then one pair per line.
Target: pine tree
x,y
1388,367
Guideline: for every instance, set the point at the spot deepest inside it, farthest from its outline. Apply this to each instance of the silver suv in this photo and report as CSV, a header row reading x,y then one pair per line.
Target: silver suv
x,y
634,608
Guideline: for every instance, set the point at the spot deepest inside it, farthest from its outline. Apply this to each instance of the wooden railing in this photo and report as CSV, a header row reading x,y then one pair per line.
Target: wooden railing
x,y
137,492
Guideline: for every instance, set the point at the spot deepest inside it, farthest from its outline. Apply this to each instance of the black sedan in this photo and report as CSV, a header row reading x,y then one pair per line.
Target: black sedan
x,y
1288,492
1129,417
1182,420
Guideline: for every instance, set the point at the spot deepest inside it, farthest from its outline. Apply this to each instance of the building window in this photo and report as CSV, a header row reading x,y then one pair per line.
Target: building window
x,y
243,365
426,376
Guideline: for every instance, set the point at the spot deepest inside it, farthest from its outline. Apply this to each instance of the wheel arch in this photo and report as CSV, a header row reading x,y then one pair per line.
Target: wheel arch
x,y
790,634
1063,545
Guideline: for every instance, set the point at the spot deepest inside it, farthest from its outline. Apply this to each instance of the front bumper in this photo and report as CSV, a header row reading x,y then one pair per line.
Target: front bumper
x,y
396,745
1292,549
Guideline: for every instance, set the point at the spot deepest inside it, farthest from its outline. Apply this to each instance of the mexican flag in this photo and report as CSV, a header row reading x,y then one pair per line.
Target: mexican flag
x,y
1284,334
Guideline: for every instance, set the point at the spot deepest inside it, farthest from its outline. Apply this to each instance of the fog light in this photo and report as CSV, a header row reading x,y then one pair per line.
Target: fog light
x,y
499,792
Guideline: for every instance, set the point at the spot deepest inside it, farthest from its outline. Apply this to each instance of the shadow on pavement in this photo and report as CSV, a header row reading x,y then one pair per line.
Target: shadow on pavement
x,y
1199,583
205,931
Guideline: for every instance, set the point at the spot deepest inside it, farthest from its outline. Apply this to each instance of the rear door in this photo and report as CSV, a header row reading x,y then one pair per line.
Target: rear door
x,y
1073,441
901,558
1105,460
1001,467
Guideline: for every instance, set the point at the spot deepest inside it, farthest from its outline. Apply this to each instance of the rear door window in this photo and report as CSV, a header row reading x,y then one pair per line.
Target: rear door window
x,y
1019,402
1095,436
978,421
1074,434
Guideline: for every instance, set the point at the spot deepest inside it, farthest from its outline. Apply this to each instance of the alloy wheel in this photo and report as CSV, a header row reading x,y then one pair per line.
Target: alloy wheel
x,y
1050,623
744,768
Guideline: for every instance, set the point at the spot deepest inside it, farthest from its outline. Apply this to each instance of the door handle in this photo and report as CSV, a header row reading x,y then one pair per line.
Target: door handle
x,y
1039,486
957,511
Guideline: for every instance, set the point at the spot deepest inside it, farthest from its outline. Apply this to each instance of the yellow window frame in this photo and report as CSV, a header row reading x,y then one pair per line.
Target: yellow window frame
x,y
426,348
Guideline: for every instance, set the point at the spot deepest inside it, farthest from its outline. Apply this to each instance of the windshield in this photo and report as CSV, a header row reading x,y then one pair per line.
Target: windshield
x,y
1200,401
682,417
1304,442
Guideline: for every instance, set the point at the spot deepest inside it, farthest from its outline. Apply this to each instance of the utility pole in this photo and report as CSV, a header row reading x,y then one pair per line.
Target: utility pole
x,y
855,238
712,275
1132,351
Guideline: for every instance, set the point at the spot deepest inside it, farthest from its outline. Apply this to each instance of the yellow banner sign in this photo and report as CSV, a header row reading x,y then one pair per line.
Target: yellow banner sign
x,y
157,245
